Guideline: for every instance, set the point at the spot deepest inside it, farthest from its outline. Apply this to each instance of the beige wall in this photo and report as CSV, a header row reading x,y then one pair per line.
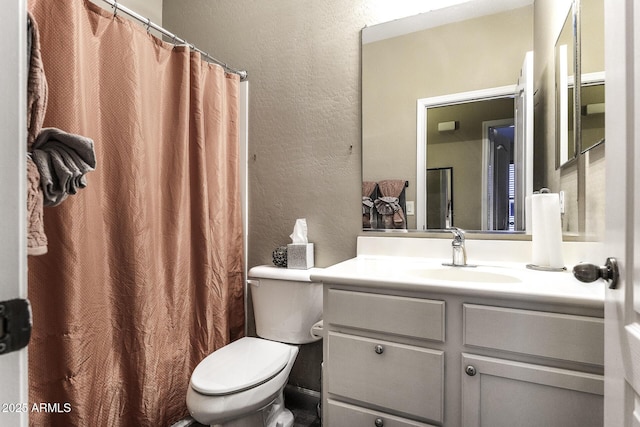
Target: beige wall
x,y
475,54
151,9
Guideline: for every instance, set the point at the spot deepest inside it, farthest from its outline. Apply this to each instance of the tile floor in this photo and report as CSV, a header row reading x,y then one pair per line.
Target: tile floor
x,y
304,417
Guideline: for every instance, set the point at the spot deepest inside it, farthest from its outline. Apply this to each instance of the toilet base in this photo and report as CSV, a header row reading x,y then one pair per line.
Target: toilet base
x,y
273,415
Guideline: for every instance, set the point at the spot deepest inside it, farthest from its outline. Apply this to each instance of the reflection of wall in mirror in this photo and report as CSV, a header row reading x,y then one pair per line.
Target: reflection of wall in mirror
x,y
592,125
592,36
475,54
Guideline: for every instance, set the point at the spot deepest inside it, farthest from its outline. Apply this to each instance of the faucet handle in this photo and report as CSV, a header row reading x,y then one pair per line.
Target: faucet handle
x,y
458,234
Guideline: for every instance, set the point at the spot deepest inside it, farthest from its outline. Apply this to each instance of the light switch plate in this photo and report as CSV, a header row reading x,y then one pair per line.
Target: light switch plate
x,y
410,208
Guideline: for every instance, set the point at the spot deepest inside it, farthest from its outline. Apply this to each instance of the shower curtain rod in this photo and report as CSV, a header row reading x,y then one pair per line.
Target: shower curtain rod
x,y
174,39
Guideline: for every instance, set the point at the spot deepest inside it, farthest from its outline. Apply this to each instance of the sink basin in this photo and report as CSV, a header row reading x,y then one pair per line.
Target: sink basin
x,y
464,274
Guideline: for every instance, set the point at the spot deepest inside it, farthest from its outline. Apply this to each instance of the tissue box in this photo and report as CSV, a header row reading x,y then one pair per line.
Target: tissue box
x,y
300,255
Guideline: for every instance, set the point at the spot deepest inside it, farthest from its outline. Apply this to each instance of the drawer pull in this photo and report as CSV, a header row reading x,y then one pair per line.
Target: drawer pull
x,y
379,422
379,350
470,370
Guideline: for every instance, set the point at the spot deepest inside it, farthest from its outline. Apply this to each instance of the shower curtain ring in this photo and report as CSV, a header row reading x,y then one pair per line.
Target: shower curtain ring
x,y
148,25
115,8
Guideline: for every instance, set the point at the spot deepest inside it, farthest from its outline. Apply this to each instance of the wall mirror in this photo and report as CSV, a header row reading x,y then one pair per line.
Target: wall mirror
x,y
424,57
579,63
565,94
592,75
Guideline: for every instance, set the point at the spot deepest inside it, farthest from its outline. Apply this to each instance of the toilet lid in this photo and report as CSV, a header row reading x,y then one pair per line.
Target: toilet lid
x,y
239,366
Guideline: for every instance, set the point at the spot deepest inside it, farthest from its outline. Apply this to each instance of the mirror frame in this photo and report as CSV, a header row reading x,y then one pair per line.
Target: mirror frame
x,y
574,13
509,91
421,137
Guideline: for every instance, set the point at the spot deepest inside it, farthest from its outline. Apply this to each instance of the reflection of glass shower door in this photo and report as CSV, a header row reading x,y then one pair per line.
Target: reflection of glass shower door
x,y
501,179
440,197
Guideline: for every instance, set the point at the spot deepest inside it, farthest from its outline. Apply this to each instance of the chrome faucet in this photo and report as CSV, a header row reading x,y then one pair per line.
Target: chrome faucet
x,y
459,258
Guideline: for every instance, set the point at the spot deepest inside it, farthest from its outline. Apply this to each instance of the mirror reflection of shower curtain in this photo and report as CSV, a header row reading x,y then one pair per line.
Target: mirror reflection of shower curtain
x,y
501,179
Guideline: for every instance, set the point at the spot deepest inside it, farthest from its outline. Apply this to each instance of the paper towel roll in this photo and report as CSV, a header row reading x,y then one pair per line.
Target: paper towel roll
x,y
546,231
528,215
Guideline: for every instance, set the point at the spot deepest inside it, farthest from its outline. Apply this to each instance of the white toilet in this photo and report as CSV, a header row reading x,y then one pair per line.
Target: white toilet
x,y
241,384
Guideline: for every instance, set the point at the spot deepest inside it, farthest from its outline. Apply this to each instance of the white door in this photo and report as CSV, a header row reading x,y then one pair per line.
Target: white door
x,y
622,306
13,284
524,138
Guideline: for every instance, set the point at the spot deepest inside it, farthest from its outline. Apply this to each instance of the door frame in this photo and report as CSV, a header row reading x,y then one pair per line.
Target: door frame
x,y
622,212
14,404
486,159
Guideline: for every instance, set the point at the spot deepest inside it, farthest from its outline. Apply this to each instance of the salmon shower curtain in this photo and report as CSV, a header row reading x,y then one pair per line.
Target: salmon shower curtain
x,y
144,274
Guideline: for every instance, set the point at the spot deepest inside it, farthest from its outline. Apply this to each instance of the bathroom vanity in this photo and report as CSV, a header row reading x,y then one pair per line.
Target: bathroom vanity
x,y
409,342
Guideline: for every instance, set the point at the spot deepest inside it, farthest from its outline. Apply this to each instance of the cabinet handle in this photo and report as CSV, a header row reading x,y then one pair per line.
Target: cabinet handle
x,y
470,370
379,350
379,422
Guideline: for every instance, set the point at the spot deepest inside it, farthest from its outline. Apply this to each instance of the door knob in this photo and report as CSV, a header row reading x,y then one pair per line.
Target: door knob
x,y
590,273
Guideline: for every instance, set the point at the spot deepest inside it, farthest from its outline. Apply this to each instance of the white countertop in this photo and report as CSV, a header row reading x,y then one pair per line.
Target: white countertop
x,y
495,279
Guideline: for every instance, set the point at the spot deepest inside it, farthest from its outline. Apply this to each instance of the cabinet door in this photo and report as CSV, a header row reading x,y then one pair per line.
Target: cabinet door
x,y
503,393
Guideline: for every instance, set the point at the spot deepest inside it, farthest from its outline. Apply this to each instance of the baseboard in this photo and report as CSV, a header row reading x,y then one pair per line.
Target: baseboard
x,y
300,397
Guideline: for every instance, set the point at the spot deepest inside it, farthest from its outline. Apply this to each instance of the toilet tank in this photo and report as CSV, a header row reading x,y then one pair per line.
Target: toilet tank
x,y
286,303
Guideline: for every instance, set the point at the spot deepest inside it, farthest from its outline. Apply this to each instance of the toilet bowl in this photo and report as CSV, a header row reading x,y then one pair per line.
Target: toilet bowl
x,y
241,384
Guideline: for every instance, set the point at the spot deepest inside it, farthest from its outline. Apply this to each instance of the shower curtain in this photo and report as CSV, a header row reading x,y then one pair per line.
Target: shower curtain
x,y
144,273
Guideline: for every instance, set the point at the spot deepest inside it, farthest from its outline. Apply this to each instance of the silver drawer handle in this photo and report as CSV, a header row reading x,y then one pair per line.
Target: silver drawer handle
x,y
379,422
470,370
379,350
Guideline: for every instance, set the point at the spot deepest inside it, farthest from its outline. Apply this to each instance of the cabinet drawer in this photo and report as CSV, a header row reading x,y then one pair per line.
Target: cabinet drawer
x,y
552,335
345,415
413,317
402,378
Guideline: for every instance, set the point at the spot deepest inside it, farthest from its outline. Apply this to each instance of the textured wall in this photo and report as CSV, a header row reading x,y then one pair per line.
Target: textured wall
x,y
303,60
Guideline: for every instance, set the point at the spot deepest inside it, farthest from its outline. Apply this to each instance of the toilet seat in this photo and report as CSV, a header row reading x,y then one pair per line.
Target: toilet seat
x,y
239,366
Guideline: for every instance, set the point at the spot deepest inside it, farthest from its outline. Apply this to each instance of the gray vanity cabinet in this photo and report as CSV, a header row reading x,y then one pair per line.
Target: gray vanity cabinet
x,y
502,392
397,358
